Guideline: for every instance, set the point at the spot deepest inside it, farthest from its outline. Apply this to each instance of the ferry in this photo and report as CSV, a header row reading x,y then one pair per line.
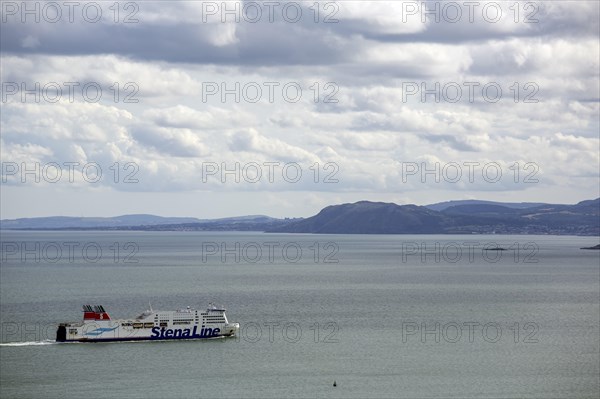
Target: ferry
x,y
151,325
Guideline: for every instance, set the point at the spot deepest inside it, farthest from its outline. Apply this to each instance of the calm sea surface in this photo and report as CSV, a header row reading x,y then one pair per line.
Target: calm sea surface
x,y
383,316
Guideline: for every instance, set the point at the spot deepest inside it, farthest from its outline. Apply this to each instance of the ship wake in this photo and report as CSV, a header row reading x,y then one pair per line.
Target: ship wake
x,y
31,343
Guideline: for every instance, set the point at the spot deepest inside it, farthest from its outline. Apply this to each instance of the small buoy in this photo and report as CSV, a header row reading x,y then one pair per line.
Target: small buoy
x,y
334,384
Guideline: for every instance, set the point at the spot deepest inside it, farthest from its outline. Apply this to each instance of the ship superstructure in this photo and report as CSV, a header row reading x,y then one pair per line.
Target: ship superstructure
x,y
188,323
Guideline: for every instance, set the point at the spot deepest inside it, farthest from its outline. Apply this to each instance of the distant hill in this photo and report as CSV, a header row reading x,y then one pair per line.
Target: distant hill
x,y
440,206
482,218
366,217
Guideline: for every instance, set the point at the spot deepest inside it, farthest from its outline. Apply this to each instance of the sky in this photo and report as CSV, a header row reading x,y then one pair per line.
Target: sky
x,y
216,109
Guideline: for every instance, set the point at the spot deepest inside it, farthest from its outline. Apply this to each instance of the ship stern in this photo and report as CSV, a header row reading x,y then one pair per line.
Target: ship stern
x,y
61,333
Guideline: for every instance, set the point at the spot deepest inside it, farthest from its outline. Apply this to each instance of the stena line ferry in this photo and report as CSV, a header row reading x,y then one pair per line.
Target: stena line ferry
x,y
151,325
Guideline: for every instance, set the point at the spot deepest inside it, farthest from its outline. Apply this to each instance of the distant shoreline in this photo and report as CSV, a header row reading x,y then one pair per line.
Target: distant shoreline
x,y
133,229
363,217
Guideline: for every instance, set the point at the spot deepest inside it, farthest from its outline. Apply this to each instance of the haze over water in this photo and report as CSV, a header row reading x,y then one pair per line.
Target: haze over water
x,y
500,324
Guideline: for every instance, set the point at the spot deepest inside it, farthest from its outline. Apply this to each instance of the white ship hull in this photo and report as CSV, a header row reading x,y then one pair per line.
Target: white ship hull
x,y
189,323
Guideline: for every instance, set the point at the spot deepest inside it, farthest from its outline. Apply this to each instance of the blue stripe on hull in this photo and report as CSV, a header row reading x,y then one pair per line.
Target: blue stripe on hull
x,y
143,339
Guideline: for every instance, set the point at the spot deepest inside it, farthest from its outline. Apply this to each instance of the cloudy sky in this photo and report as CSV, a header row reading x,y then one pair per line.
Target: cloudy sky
x,y
213,109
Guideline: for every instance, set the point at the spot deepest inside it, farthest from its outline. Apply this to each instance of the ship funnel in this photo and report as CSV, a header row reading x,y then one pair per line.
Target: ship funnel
x,y
95,312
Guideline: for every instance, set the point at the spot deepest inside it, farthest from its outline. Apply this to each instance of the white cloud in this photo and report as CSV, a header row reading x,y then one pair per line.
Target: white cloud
x,y
368,55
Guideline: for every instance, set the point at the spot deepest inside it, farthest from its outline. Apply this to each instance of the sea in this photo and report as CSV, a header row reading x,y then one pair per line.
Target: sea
x,y
321,316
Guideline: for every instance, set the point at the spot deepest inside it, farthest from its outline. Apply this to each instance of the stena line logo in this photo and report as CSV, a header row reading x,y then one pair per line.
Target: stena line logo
x,y
162,333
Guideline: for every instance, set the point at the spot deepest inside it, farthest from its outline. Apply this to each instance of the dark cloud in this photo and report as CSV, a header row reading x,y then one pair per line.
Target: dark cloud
x,y
279,42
